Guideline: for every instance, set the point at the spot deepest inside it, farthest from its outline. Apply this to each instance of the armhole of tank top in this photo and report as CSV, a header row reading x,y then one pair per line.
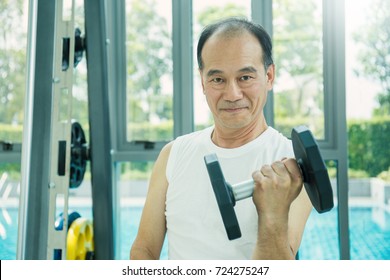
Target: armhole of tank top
x,y
171,158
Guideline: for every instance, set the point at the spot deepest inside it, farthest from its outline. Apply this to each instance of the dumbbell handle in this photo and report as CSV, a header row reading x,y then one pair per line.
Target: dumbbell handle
x,y
245,189
242,190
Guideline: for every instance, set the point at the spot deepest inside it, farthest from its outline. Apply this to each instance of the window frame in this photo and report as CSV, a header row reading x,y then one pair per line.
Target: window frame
x,y
183,119
333,146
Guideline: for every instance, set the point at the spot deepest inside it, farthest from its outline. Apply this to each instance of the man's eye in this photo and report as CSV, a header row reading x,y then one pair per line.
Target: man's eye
x,y
217,80
245,78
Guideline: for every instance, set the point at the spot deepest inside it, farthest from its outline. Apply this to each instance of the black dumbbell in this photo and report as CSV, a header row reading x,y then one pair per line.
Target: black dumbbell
x,y
313,169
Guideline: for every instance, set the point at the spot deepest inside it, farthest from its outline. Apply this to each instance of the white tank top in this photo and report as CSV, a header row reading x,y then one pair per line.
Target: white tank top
x,y
194,225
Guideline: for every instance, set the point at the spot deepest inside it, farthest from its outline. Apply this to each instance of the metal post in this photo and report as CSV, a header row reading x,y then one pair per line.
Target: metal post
x,y
100,141
182,67
334,84
46,138
60,140
262,14
27,131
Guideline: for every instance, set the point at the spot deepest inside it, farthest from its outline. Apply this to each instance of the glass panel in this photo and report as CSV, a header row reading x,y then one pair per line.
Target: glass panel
x,y
206,12
368,122
13,42
9,202
320,238
133,185
298,56
149,70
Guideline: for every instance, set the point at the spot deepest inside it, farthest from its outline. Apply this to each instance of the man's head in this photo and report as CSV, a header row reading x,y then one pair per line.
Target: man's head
x,y
237,72
232,27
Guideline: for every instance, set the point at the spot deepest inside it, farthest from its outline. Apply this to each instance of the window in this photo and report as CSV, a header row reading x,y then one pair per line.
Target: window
x,y
298,56
13,29
368,122
149,70
133,186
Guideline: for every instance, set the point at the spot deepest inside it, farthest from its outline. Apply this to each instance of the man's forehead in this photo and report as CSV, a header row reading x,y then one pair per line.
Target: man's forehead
x,y
240,44
222,36
234,57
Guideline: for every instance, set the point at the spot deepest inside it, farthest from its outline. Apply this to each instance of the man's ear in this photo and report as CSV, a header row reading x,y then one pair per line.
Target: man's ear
x,y
271,76
201,79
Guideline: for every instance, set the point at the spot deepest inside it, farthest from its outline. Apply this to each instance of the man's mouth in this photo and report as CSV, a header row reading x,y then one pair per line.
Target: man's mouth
x,y
234,110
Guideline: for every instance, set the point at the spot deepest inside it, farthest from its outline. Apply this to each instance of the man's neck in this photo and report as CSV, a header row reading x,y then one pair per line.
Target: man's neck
x,y
234,138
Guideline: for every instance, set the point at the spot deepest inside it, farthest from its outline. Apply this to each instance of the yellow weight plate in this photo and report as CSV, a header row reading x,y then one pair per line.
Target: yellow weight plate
x,y
79,239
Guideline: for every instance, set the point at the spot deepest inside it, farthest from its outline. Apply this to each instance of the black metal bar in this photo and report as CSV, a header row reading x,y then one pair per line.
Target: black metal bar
x,y
100,142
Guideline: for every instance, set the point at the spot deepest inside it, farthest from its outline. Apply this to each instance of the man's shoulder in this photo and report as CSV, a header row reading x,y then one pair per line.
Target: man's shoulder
x,y
276,134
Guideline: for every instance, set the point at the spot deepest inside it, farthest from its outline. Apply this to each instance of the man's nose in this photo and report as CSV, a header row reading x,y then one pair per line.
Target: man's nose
x,y
232,92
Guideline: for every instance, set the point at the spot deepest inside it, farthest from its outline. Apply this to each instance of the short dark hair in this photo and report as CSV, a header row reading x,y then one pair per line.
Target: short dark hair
x,y
236,25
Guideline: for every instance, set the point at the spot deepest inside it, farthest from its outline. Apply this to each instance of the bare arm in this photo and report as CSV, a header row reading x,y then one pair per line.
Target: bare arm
x,y
283,207
152,229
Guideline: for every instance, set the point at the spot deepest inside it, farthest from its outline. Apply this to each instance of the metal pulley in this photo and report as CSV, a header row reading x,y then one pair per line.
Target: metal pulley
x,y
79,155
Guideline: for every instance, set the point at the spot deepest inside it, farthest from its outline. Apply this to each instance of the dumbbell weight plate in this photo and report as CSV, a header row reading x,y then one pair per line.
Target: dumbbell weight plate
x,y
315,174
224,197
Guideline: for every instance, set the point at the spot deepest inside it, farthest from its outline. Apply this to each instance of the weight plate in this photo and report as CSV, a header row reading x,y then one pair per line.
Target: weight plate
x,y
223,196
78,159
79,240
314,171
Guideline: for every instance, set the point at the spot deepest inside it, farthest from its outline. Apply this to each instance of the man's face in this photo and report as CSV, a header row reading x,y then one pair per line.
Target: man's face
x,y
234,80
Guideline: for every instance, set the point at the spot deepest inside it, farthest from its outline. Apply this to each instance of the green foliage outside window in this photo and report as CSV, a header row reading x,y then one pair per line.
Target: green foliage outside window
x,y
373,38
369,145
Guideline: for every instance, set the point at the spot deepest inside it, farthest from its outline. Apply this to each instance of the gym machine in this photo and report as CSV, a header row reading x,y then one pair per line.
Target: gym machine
x,y
55,150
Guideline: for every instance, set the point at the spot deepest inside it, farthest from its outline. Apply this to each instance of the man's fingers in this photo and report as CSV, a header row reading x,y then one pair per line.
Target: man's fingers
x,y
266,170
293,168
279,168
286,168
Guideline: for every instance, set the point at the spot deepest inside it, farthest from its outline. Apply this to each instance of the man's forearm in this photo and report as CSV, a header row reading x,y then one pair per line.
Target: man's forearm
x,y
138,253
272,241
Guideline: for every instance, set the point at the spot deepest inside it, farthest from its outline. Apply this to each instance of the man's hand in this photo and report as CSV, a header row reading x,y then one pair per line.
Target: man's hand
x,y
276,187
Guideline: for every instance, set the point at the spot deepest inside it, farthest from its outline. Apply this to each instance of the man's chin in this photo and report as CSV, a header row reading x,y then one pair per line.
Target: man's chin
x,y
235,125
